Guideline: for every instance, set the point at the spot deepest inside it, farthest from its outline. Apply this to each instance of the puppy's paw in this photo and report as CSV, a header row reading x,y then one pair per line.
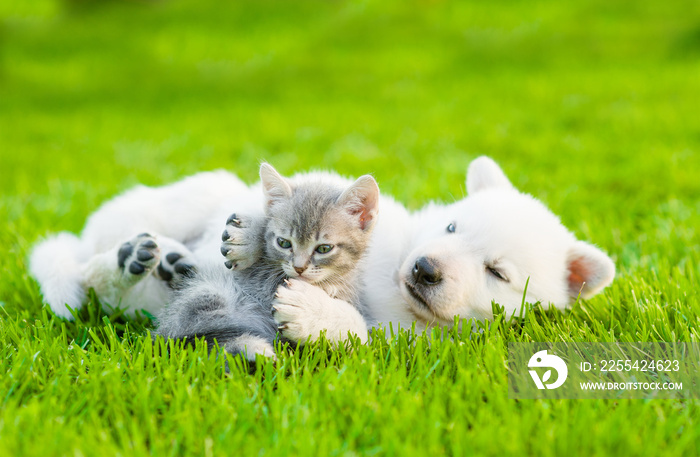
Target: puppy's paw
x,y
299,309
238,243
175,268
138,257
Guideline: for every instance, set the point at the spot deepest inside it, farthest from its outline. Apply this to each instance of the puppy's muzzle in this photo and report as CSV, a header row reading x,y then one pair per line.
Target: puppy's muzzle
x,y
426,273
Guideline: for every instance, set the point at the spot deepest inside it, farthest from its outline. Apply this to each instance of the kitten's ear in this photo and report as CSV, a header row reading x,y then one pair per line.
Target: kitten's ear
x,y
362,200
275,187
484,173
589,270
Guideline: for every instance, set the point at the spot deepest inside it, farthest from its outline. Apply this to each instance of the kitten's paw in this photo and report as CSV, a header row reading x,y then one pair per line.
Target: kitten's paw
x,y
249,346
299,309
138,257
175,268
238,245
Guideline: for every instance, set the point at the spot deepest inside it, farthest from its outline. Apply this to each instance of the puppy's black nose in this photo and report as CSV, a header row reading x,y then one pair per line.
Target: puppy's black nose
x,y
425,272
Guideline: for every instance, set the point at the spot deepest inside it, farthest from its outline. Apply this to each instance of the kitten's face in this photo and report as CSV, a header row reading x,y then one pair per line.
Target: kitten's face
x,y
316,251
318,232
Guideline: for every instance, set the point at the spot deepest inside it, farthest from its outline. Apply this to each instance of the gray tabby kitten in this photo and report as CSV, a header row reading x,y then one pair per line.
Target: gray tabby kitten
x,y
315,229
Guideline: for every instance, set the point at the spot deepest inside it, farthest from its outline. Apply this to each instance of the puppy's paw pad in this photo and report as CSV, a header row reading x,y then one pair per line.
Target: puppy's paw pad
x,y
138,256
175,268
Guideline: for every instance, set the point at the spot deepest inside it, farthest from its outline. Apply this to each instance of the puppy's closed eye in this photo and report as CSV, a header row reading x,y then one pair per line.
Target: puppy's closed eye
x,y
496,273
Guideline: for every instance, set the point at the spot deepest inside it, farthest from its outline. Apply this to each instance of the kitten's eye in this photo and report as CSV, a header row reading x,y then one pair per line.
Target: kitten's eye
x,y
324,248
451,228
497,273
284,244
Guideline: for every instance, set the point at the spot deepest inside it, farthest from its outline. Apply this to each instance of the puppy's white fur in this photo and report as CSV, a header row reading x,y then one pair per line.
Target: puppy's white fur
x,y
66,266
496,227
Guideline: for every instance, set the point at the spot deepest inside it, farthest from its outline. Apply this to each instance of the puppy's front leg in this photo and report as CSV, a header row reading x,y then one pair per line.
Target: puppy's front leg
x,y
303,311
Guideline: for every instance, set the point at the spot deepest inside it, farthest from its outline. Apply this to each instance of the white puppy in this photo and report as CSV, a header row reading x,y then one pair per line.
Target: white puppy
x,y
445,260
167,224
425,267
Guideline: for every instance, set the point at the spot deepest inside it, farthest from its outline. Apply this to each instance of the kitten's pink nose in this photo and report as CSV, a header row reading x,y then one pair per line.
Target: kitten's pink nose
x,y
300,270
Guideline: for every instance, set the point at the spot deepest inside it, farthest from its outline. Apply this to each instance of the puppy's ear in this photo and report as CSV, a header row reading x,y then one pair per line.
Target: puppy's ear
x,y
484,173
275,187
589,270
362,200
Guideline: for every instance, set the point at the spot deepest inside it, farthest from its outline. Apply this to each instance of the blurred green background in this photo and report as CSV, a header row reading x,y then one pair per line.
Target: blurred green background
x,y
591,106
575,99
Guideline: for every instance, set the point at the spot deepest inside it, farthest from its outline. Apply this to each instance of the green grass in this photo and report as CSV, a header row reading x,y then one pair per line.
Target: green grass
x,y
590,106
